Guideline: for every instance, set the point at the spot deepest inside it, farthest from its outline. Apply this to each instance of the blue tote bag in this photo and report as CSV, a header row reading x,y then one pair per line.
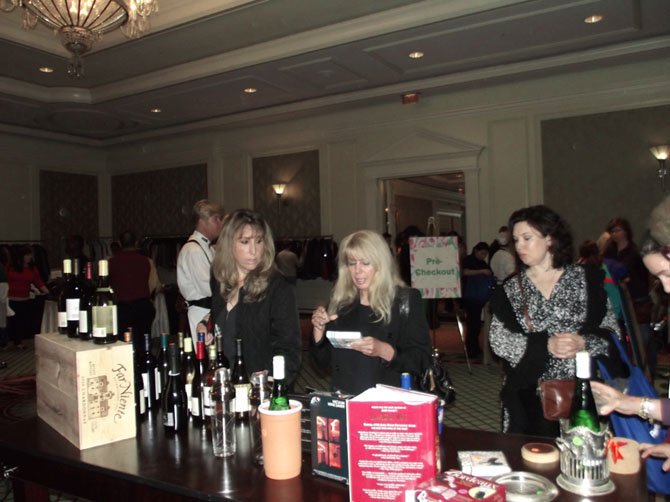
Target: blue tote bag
x,y
633,427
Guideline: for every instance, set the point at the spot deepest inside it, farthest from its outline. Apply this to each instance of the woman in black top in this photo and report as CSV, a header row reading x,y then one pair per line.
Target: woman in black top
x,y
369,297
251,300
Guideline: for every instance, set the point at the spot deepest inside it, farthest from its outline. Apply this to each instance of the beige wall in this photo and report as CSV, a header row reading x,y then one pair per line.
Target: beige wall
x,y
492,135
604,157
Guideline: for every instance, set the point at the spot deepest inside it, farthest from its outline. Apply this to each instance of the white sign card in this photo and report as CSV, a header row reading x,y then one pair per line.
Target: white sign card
x,y
435,266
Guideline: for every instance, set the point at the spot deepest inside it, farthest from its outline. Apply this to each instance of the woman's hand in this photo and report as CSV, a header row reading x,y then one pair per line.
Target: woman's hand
x,y
202,328
565,345
372,347
608,399
657,450
320,318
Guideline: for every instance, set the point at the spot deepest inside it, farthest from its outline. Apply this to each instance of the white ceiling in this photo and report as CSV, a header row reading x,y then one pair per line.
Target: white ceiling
x,y
303,56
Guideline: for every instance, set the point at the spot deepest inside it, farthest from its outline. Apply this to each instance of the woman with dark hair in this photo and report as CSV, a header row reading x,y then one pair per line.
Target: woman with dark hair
x,y
251,300
544,315
623,250
22,275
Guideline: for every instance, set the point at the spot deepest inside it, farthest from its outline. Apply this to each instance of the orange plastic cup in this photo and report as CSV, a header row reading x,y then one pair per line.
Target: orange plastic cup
x,y
280,433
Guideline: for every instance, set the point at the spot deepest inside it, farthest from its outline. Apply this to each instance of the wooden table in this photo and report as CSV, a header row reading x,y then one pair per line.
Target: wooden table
x,y
155,467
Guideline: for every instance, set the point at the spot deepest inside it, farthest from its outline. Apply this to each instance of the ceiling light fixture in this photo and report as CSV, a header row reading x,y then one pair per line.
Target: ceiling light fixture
x,y
595,18
155,110
416,55
80,23
250,90
46,69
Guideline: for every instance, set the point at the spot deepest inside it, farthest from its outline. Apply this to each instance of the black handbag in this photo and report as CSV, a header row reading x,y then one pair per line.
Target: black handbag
x,y
435,378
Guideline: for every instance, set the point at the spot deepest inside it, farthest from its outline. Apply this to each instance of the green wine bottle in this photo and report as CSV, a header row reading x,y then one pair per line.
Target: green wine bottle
x,y
583,411
279,399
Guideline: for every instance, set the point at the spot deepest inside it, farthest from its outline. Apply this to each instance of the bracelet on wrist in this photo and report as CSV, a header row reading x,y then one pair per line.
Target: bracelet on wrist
x,y
646,406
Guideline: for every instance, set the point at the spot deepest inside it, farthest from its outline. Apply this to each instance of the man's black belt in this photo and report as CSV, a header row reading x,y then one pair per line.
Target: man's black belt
x,y
205,303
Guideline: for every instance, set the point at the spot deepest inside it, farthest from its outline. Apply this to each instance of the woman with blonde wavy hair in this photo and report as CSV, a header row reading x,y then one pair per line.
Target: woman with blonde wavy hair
x,y
369,297
251,300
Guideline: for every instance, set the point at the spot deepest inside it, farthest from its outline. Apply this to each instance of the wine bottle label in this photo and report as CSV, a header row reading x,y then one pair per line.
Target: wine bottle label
x,y
143,404
188,388
242,403
207,400
195,406
72,309
105,317
83,321
157,375
62,319
145,381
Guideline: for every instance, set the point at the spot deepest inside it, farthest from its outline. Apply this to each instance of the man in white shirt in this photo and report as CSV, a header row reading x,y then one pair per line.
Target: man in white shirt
x,y
195,261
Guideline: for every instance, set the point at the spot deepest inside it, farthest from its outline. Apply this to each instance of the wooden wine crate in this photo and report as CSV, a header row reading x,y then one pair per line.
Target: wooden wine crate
x,y
85,391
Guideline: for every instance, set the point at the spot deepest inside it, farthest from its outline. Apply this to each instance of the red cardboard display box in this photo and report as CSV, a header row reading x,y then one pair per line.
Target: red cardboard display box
x,y
392,442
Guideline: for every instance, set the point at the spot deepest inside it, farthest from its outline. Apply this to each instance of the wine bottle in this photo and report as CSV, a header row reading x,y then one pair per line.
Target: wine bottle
x,y
188,369
583,411
62,298
86,304
174,402
105,328
163,362
221,359
148,371
180,345
198,384
279,399
140,394
209,381
242,385
73,301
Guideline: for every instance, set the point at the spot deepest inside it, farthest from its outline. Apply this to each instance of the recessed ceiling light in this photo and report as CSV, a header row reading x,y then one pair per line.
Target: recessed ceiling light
x,y
596,18
250,90
416,55
46,69
155,110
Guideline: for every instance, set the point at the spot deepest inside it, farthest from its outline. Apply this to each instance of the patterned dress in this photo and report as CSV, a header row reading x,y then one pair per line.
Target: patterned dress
x,y
576,305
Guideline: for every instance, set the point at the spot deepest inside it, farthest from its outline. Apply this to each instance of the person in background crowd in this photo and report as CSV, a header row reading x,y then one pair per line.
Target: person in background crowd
x,y
610,399
367,298
194,262
544,315
134,280
251,299
502,260
74,249
623,250
22,276
589,254
477,286
404,254
289,263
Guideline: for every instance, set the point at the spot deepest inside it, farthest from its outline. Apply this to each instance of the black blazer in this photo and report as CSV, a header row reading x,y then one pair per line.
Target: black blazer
x,y
268,327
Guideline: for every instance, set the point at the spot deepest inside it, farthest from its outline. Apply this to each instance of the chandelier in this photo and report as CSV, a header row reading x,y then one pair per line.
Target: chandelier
x,y
80,23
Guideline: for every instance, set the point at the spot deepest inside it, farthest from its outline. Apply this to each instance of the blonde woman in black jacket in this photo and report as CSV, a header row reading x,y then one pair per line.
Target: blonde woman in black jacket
x,y
368,297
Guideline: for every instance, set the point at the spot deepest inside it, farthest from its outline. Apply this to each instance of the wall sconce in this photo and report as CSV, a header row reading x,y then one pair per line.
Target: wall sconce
x,y
279,189
661,153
